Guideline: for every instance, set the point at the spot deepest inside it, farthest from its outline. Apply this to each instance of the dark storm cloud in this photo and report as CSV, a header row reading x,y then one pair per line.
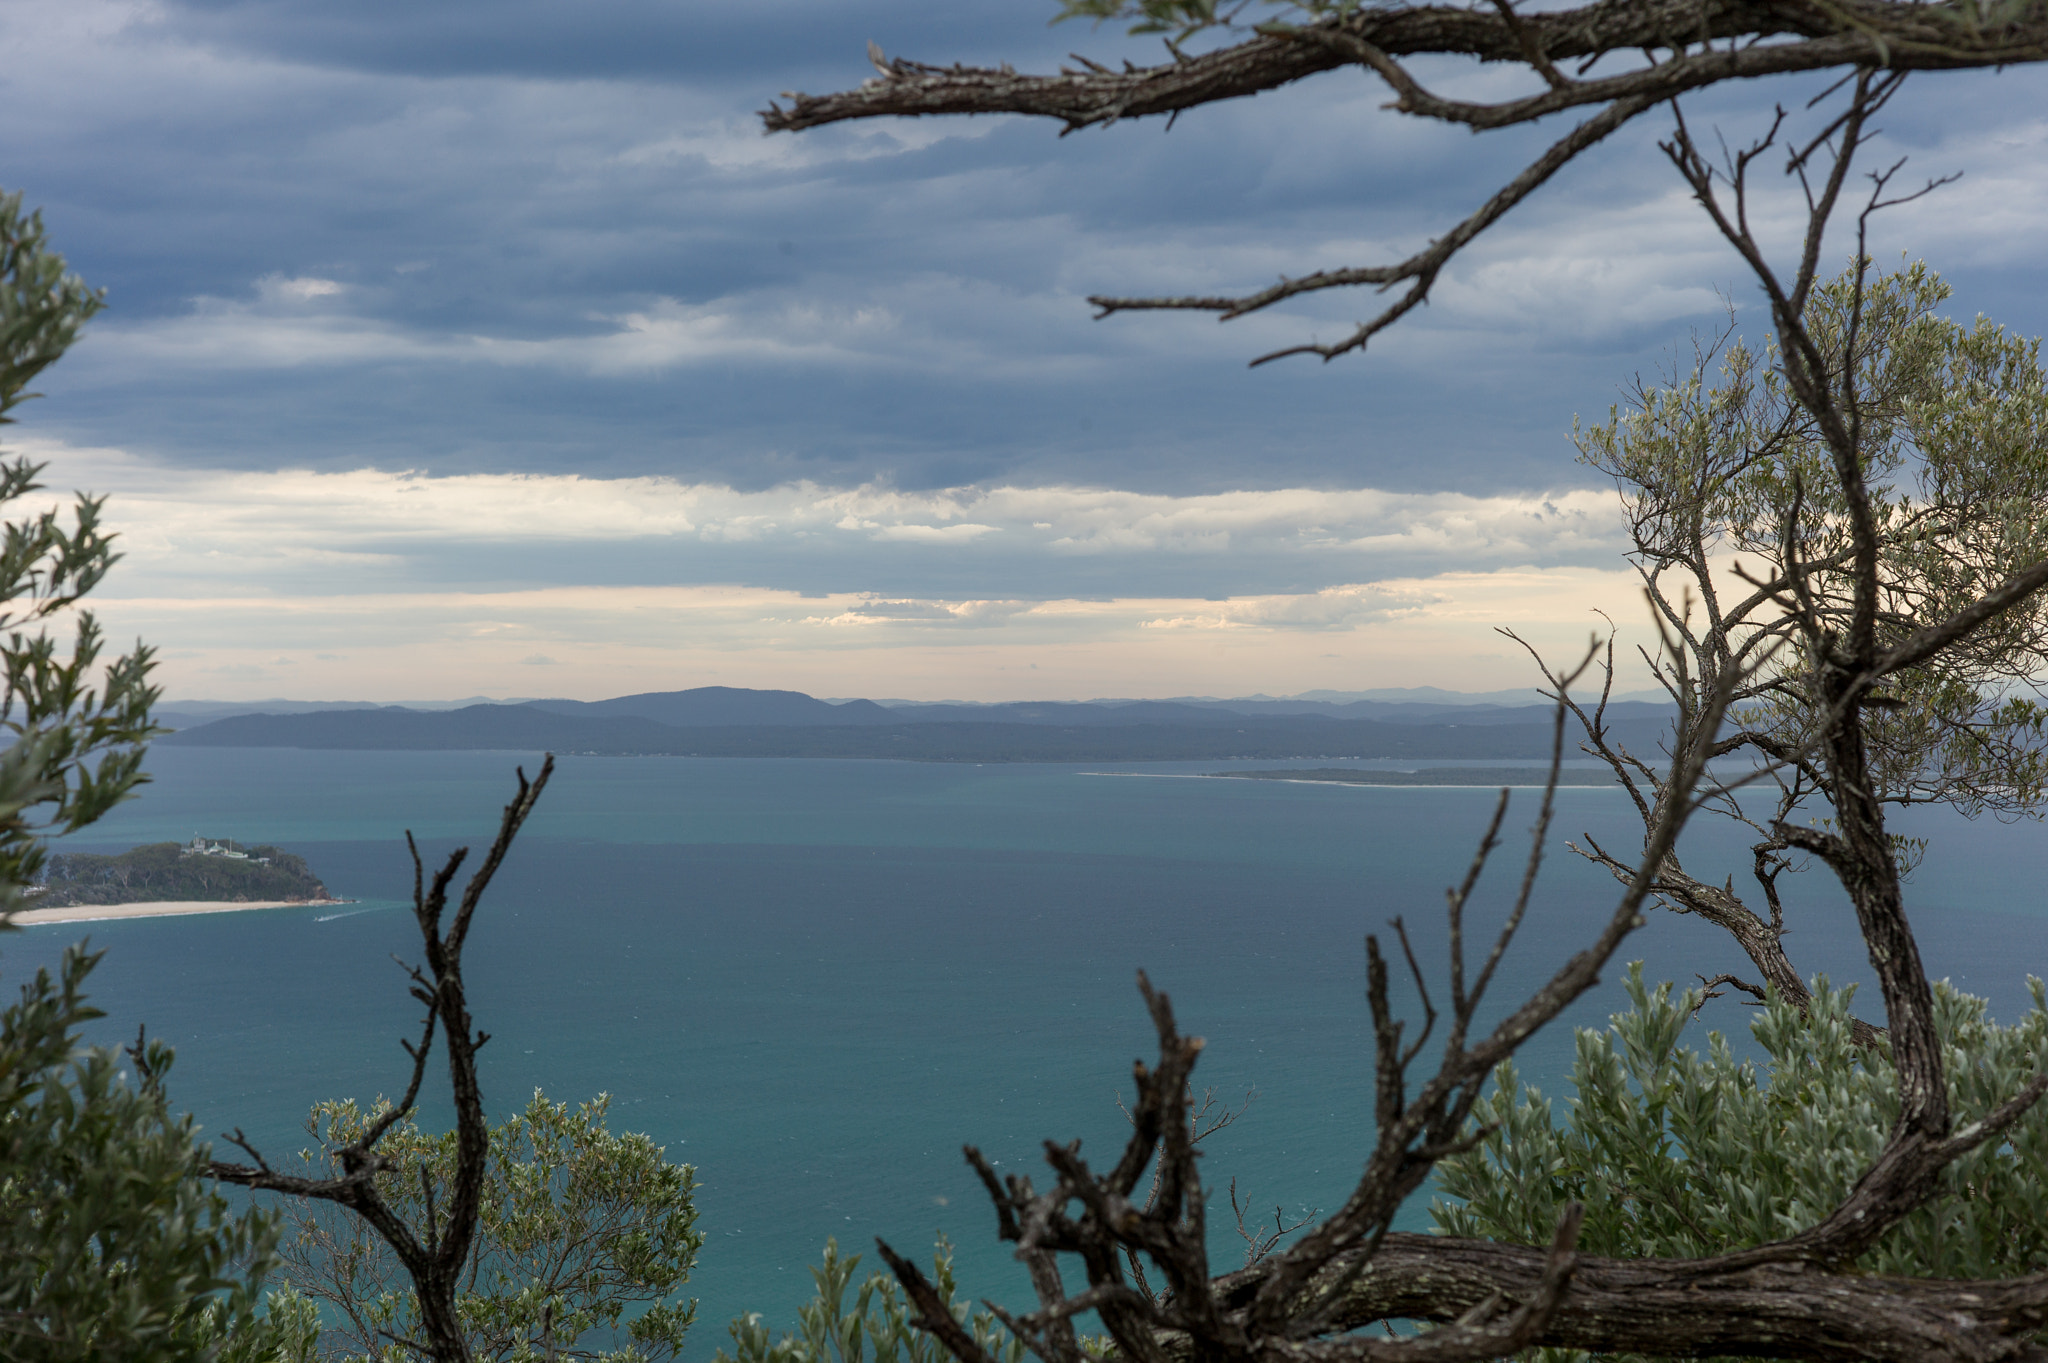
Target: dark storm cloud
x,y
705,42
547,237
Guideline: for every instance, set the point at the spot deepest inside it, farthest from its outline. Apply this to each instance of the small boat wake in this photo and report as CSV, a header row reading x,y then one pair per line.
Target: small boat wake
x,y
352,913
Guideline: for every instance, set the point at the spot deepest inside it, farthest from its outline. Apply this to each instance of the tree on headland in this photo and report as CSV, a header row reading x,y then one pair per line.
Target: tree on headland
x,y
1897,462
169,871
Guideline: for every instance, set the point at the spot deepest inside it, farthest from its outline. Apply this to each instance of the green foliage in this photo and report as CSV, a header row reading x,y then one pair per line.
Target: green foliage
x,y
78,745
110,1246
41,306
578,1228
827,1332
1675,1153
1952,435
288,1331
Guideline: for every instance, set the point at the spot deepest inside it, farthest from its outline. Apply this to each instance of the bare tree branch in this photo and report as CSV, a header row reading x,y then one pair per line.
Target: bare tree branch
x,y
1674,47
1812,637
1732,38
434,1253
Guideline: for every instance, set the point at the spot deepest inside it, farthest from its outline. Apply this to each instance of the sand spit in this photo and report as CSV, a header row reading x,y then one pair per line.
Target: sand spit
x,y
163,908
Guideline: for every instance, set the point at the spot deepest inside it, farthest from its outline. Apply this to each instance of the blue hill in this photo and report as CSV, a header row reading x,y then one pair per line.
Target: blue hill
x,y
723,705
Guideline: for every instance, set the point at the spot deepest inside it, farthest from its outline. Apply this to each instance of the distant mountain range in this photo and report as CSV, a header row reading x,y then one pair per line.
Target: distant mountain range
x,y
723,721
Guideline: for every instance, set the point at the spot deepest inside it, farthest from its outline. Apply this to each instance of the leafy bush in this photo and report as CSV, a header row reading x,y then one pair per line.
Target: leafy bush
x,y
1675,1153
110,1245
828,1333
581,1233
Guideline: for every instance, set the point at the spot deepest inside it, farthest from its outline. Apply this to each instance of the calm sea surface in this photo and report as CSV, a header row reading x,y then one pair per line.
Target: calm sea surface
x,y
814,980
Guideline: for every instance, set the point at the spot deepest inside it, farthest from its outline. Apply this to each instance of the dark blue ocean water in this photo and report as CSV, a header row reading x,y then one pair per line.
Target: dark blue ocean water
x,y
814,980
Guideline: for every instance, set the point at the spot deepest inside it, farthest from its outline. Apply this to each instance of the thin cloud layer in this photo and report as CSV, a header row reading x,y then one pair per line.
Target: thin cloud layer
x,y
295,530
591,642
372,584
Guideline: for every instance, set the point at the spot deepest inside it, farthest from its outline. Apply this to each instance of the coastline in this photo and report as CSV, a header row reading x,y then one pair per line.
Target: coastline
x,y
1442,778
158,908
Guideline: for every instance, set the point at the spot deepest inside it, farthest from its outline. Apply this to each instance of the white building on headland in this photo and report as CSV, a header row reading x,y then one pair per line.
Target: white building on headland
x,y
200,847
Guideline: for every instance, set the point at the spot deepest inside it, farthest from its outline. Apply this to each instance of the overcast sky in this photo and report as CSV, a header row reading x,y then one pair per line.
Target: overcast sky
x,y
457,348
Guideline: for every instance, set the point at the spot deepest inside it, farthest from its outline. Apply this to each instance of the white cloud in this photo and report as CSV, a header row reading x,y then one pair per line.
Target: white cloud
x,y
873,611
224,525
739,145
667,334
300,289
934,534
276,330
1332,608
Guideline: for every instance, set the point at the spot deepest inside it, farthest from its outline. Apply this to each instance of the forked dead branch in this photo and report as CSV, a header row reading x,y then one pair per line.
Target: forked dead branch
x,y
434,1253
1862,660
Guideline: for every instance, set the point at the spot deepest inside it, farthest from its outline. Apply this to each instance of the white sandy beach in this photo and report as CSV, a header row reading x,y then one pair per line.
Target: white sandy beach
x,y
163,908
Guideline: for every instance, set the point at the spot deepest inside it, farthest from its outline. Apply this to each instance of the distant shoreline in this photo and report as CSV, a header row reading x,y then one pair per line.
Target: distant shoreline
x,y
1427,776
727,722
158,908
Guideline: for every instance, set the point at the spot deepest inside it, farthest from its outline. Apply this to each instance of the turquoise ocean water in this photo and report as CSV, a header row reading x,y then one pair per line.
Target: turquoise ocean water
x,y
814,979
